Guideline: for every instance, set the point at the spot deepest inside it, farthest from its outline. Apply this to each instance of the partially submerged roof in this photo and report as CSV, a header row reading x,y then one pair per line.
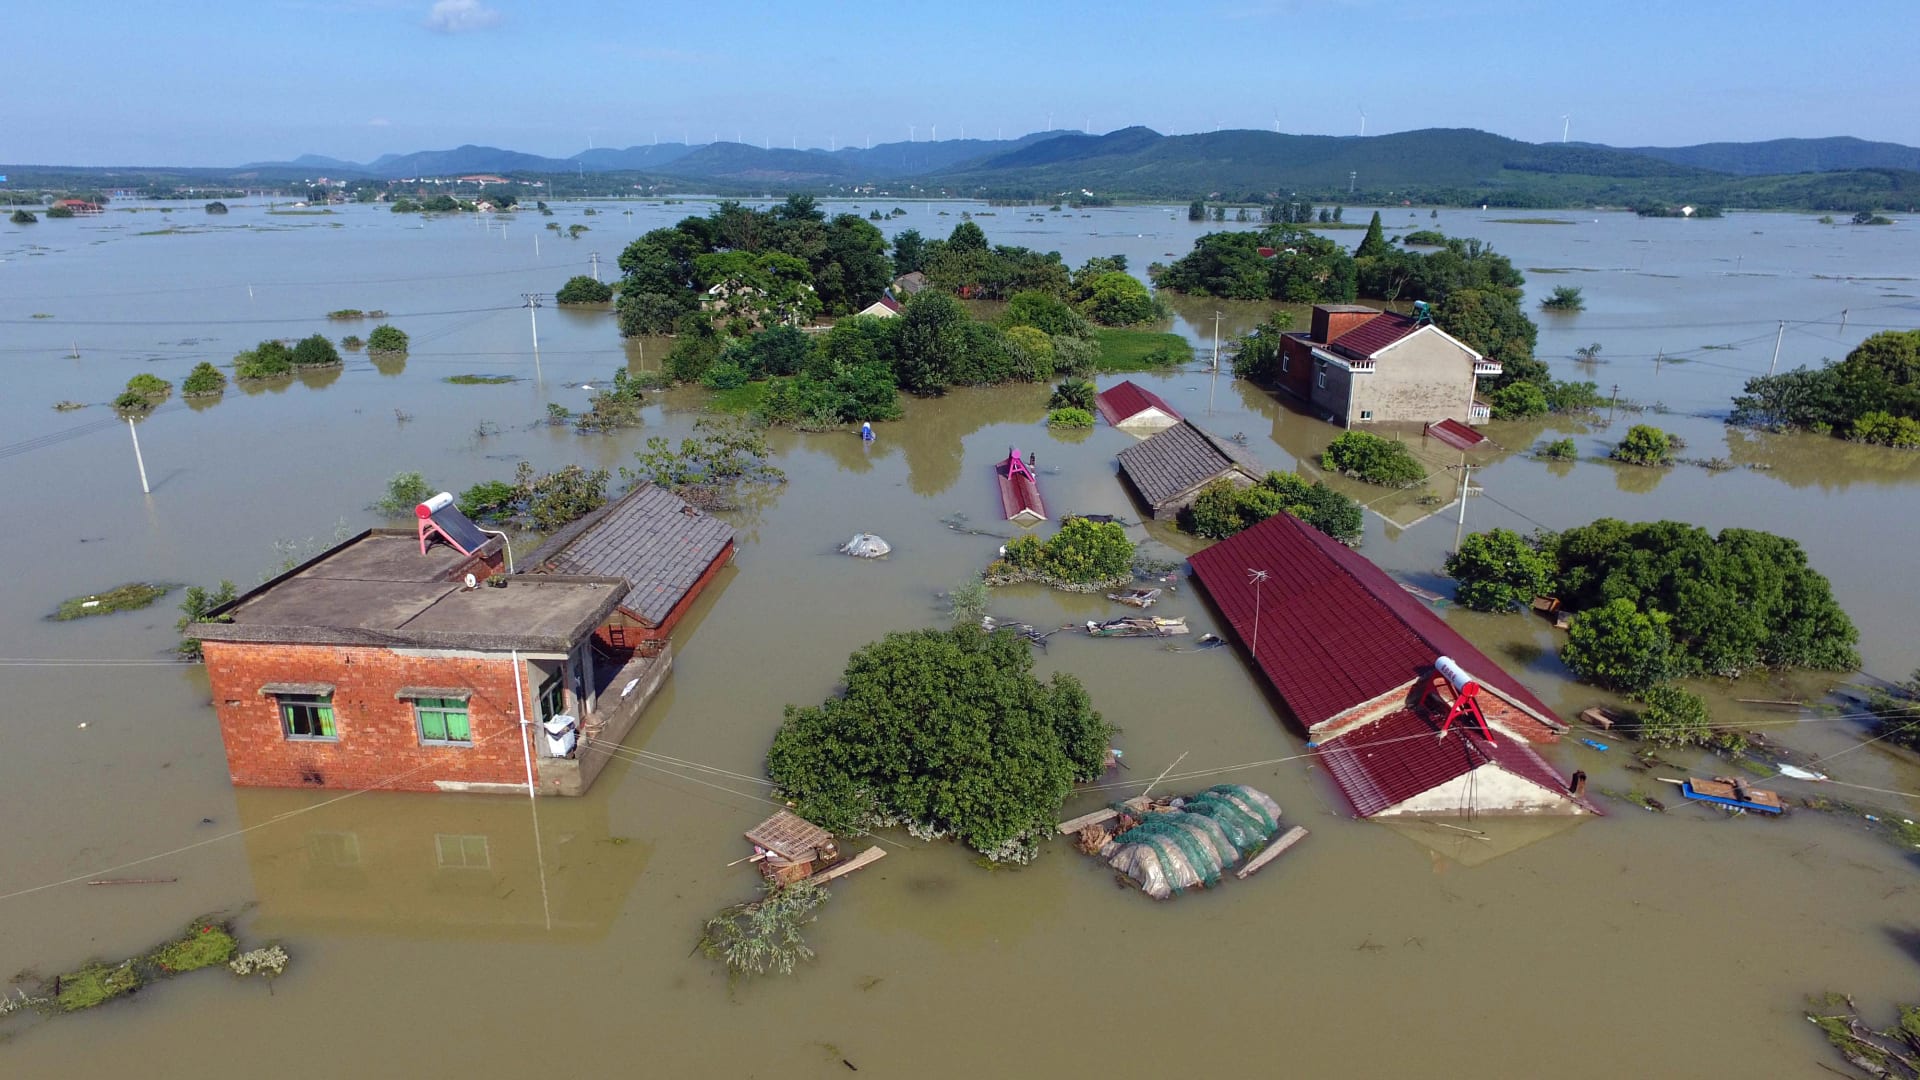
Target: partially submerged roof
x,y
1335,630
1118,404
1455,434
654,540
378,589
1181,458
1019,491
1386,763
789,836
1363,342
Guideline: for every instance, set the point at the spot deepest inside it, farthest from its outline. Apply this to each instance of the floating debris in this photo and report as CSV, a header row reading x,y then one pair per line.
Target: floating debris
x,y
1140,598
866,546
129,597
1138,626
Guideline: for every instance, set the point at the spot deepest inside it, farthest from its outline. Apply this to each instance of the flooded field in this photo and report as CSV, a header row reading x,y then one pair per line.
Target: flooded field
x,y
428,935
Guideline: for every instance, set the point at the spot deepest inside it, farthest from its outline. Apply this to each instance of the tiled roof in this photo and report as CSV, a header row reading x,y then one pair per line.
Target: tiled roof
x,y
1335,630
1019,495
1179,459
789,836
1364,341
1127,400
1399,756
651,537
1455,434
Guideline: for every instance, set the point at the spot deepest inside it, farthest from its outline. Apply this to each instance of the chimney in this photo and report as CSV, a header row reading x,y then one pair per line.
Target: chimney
x,y
1332,320
1578,788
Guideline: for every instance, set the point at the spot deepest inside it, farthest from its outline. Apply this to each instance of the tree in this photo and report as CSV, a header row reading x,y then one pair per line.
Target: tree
x,y
1587,354
314,350
1564,298
581,289
195,607
1083,552
1047,313
1117,298
948,731
1033,350
1670,716
1811,398
267,360
931,343
1882,374
386,338
966,237
216,207
204,380
1560,450
1072,394
1644,445
1377,460
909,251
1256,356
1519,401
1499,570
1223,508
778,351
1490,322
1197,210
1374,244
23,217
1069,418
1621,647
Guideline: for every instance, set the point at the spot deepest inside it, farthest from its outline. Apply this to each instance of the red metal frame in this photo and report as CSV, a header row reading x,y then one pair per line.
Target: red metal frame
x,y
1465,703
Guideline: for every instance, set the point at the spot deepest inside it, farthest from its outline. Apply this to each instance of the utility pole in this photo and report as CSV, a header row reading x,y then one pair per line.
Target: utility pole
x,y
1216,363
138,460
1466,485
1843,320
533,307
1353,177
1615,401
1658,359
1771,368
595,257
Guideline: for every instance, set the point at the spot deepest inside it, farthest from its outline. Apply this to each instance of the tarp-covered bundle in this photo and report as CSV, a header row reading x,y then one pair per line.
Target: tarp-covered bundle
x,y
865,546
1192,841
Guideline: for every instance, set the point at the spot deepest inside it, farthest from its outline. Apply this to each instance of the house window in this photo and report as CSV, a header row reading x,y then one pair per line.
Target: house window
x,y
307,716
1321,379
457,852
1285,363
443,721
1366,414
553,696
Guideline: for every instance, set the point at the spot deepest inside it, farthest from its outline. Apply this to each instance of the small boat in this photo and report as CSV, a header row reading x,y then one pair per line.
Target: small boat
x,y
1600,718
1140,598
1138,626
1734,792
1019,490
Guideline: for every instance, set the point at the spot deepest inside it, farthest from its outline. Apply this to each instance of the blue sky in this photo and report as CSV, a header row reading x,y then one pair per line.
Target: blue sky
x,y
221,82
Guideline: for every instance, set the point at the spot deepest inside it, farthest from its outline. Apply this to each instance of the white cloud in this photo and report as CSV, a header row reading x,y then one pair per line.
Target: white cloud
x,y
460,16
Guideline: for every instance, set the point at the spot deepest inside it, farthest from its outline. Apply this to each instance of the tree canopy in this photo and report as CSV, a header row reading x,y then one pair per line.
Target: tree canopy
x,y
1377,460
1223,508
1864,397
1303,268
1499,570
947,731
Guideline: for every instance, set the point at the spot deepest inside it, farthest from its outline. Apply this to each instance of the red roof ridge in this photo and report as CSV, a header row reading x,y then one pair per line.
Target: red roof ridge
x,y
1128,399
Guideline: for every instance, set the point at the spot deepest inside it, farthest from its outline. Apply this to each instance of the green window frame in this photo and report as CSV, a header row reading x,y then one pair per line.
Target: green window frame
x,y
443,721
553,696
307,716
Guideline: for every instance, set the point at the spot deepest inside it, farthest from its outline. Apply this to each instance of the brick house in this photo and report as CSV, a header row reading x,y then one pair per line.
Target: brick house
x,y
1168,469
1356,660
1359,365
408,662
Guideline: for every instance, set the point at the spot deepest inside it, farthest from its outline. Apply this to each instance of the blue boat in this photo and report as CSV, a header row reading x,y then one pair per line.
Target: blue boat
x,y
1735,793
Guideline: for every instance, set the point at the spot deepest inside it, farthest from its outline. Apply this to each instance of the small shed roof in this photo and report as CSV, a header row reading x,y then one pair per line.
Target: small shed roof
x,y
1119,403
653,539
1455,434
789,836
1336,631
1385,763
1181,458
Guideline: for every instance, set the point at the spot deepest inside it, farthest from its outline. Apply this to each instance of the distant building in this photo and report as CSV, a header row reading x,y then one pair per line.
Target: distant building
x,y
408,661
1356,661
484,179
79,206
1168,470
1132,407
1360,365
908,284
884,308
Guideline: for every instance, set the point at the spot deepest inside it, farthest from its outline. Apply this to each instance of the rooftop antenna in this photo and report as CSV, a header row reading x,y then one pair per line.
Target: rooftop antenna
x,y
1566,125
1256,578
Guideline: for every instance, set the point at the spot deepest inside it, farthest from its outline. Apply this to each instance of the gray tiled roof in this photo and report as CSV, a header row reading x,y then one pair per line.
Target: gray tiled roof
x,y
652,538
1180,459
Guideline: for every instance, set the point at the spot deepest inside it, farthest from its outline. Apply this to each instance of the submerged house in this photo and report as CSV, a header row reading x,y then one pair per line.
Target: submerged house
x,y
1132,407
411,661
1168,470
1360,365
1361,664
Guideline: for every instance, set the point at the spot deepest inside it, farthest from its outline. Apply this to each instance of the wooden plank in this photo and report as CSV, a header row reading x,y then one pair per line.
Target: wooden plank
x,y
1098,817
1272,851
864,859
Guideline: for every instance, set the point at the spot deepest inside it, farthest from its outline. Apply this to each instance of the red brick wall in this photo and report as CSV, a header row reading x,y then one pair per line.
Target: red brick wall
x,y
378,740
1329,325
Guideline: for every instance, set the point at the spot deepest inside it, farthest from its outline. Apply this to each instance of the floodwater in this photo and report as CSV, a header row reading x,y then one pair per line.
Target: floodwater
x,y
435,934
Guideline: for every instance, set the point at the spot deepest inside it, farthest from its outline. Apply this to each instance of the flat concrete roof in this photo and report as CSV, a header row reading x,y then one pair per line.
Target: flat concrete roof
x,y
378,589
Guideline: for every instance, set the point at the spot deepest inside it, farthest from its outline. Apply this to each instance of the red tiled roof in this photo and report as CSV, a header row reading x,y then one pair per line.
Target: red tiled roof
x,y
890,304
1335,630
1019,495
1364,341
1456,434
1399,756
1127,400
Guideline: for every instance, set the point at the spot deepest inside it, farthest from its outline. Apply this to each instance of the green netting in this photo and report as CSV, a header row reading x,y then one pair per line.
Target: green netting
x,y
1170,860
1225,850
1250,801
1200,855
1241,827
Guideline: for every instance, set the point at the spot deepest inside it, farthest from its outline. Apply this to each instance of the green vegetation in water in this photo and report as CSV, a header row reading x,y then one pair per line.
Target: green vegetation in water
x,y
386,338
352,343
1139,350
481,380
1644,445
68,406
267,360
1374,459
23,217
1890,1053
1558,450
129,597
195,607
581,289
613,406
1871,396
1070,418
204,380
1564,298
746,400
762,937
1223,508
143,392
205,944
96,984
538,501
208,942
1084,556
1073,393
947,732
1531,221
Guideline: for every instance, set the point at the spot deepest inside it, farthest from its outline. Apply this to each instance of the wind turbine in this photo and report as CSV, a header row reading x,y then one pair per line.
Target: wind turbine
x,y
1276,121
910,130
933,133
1363,121
1566,125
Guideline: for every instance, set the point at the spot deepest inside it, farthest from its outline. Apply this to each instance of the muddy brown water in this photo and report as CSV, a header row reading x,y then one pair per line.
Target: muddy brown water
x,y
433,934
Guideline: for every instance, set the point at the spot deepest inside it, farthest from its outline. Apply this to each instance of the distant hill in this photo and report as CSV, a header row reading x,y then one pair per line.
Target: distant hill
x,y
1777,156
741,163
632,159
464,159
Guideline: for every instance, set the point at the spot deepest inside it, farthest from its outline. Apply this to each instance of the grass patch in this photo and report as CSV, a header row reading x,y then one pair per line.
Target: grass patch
x,y
129,597
741,399
1531,221
481,380
205,944
95,984
1140,350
